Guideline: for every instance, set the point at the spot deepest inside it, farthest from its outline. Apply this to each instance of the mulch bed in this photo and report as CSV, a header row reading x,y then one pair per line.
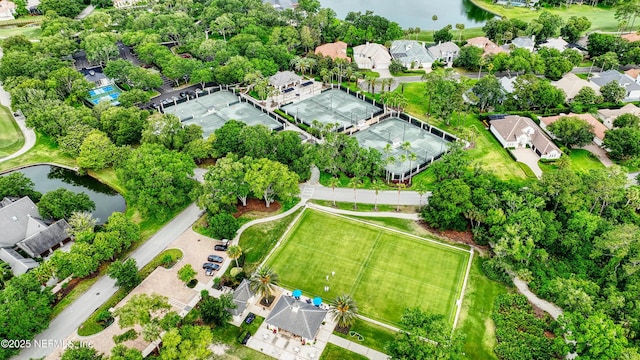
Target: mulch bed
x,y
342,330
463,237
256,205
264,303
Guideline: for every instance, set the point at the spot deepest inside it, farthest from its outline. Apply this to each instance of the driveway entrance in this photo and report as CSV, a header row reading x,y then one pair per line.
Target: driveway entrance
x,y
529,158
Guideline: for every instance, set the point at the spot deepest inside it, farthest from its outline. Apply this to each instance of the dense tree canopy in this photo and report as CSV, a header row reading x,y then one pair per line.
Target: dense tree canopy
x,y
61,203
572,131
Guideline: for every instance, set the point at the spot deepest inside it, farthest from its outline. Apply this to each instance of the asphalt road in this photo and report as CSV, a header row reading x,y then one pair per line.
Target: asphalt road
x,y
72,317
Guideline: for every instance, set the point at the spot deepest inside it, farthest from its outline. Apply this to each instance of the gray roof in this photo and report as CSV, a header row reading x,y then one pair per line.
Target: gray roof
x,y
241,297
623,80
284,78
19,264
523,42
443,50
282,4
408,51
296,317
512,126
18,221
38,243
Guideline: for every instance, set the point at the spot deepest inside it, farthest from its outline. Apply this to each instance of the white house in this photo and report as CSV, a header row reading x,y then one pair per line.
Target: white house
x,y
555,43
411,54
515,131
609,115
447,51
630,85
371,56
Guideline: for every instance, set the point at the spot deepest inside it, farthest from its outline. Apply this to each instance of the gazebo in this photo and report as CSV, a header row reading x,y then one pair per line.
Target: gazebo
x,y
284,79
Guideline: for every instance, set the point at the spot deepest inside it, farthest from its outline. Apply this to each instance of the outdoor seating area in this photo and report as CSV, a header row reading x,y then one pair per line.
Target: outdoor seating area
x,y
212,111
333,106
388,137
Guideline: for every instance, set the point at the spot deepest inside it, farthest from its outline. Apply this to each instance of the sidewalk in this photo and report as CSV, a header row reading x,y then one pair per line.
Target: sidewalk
x,y
357,348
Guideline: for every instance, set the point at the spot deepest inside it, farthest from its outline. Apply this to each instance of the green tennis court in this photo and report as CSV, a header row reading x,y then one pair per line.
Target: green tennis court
x,y
385,271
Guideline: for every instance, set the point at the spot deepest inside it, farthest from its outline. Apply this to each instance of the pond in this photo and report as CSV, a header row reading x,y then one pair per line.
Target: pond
x,y
47,178
416,13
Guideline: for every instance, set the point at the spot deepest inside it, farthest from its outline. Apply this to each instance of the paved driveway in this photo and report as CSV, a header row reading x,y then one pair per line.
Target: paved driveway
x,y
530,158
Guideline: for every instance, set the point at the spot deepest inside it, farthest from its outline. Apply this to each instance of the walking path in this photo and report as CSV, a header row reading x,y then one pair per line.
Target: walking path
x,y
548,307
357,348
387,214
29,134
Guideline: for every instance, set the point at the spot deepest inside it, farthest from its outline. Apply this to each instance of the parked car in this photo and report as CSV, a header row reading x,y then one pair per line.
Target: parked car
x,y
220,248
215,258
209,265
209,272
250,318
246,337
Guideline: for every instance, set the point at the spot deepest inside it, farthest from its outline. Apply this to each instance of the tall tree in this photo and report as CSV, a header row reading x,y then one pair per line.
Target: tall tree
x,y
125,273
61,203
268,179
572,131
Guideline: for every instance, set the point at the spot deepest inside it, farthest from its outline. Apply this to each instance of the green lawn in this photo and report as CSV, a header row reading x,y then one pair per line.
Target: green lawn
x,y
601,18
45,150
31,32
375,336
11,139
579,161
258,240
335,352
475,321
385,271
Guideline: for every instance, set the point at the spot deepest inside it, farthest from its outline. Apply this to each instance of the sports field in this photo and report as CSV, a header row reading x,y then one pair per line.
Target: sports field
x,y
384,270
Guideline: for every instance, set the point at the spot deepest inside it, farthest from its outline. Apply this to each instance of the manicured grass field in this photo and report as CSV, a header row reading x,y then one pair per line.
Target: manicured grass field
x,y
335,352
11,139
579,161
385,271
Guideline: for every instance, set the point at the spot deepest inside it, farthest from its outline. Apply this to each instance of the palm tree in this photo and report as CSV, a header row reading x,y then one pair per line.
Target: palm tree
x,y
263,281
389,160
234,252
354,182
344,310
412,157
421,188
460,27
434,18
151,332
377,186
400,187
333,182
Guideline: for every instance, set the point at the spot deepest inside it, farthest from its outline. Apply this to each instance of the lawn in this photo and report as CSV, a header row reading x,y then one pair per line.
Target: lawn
x,y
579,161
11,139
601,18
335,352
475,317
374,336
31,32
385,271
44,151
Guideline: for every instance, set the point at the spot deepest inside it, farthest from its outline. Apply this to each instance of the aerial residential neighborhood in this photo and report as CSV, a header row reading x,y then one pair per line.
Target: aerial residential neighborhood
x,y
319,179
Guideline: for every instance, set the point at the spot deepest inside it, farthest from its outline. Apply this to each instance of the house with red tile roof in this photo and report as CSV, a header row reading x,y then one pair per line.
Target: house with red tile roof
x,y
336,50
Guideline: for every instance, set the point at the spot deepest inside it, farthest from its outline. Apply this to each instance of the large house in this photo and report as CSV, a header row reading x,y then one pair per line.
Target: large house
x,y
524,42
23,229
7,10
411,54
608,116
598,128
515,131
296,317
555,43
371,56
630,85
282,4
571,84
488,46
336,50
447,51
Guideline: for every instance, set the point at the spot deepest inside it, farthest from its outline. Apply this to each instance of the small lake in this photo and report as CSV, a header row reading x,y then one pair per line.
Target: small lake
x,y
416,13
47,178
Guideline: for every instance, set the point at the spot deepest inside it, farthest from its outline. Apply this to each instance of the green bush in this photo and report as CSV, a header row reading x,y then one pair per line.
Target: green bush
x,y
125,336
496,272
167,261
192,283
223,226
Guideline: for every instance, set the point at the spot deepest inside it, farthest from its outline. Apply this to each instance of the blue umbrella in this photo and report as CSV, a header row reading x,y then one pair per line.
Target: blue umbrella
x,y
297,293
317,301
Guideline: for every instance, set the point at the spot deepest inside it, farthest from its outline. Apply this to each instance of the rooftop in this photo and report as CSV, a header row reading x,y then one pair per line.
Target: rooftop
x,y
443,49
241,297
524,42
19,264
512,126
623,80
487,45
284,78
555,43
18,221
571,84
336,50
409,51
370,54
41,242
296,317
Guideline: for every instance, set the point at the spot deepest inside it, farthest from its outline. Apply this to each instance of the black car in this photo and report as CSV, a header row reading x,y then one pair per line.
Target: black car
x,y
212,266
250,318
220,248
246,337
215,258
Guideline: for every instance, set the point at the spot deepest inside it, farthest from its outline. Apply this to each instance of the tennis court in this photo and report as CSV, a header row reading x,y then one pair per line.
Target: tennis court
x,y
331,107
109,93
211,112
395,131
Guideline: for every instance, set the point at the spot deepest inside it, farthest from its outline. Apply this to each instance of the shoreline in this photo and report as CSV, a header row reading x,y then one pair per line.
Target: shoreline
x,y
480,4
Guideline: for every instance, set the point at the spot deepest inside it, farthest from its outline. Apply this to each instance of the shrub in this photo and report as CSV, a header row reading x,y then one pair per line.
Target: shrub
x,y
495,271
125,336
167,261
192,283
223,226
